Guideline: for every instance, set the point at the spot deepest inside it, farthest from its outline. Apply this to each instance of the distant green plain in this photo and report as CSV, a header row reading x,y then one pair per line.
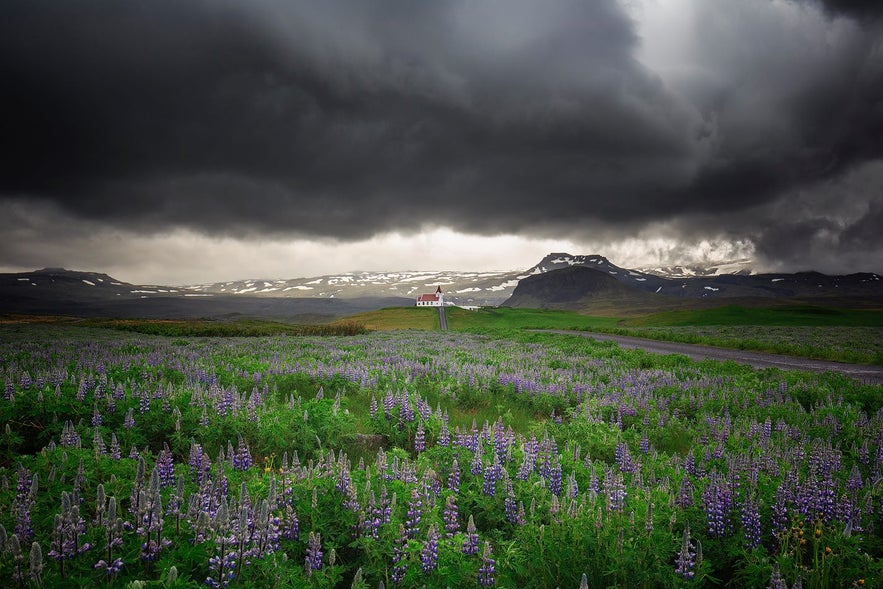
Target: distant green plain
x,y
809,331
824,333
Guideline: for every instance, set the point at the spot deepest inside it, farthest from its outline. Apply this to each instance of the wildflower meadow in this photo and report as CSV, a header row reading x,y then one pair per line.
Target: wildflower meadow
x,y
413,458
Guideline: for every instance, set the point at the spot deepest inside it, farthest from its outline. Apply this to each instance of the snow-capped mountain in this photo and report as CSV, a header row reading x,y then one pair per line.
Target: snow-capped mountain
x,y
742,267
462,288
545,287
57,291
66,292
730,279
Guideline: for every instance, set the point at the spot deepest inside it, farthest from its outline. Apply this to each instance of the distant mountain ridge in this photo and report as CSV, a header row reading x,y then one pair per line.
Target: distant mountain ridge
x,y
544,290
56,291
69,292
461,287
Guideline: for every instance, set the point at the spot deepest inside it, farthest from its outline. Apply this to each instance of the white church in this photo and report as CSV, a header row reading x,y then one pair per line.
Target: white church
x,y
436,299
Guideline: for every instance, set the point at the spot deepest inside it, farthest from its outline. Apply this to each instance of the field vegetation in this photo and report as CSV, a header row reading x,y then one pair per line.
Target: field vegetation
x,y
844,335
199,327
414,458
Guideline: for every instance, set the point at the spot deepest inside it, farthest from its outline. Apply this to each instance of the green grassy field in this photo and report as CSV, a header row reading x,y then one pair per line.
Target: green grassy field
x,y
197,327
505,318
797,315
485,318
397,318
825,333
846,335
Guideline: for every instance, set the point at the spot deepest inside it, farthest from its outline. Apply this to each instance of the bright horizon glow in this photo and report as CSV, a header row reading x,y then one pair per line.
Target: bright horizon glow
x,y
184,257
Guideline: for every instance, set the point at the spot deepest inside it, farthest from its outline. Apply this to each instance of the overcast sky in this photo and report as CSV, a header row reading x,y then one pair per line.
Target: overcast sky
x,y
180,141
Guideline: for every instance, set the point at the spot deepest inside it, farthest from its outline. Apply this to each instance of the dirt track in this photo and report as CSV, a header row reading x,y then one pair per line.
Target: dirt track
x,y
861,372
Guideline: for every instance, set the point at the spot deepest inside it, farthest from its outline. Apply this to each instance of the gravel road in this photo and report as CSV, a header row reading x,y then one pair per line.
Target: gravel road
x,y
861,372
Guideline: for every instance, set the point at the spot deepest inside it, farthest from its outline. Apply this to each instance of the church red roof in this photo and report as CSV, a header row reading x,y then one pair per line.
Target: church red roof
x,y
425,298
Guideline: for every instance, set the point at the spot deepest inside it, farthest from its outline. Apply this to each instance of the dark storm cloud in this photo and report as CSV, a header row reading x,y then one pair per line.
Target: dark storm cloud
x,y
348,118
861,8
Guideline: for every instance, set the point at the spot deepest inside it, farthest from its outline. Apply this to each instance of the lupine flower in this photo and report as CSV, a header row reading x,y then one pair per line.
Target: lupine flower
x,y
314,552
452,525
776,580
454,477
165,466
420,438
144,403
113,538
470,543
528,463
290,526
429,553
487,568
222,563
476,467
135,506
780,512
100,505
115,452
555,478
414,515
572,485
826,499
685,493
343,480
369,524
242,456
67,531
176,502
751,523
444,434
492,472
35,570
264,535
623,457
399,551
14,548
686,560
151,520
69,436
854,482
80,479
25,494
385,506
389,402
406,410
511,508
614,490
718,500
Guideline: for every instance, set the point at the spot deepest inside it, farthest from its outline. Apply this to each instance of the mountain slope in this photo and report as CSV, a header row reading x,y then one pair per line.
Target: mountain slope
x,y
601,287
56,291
462,288
607,288
582,288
